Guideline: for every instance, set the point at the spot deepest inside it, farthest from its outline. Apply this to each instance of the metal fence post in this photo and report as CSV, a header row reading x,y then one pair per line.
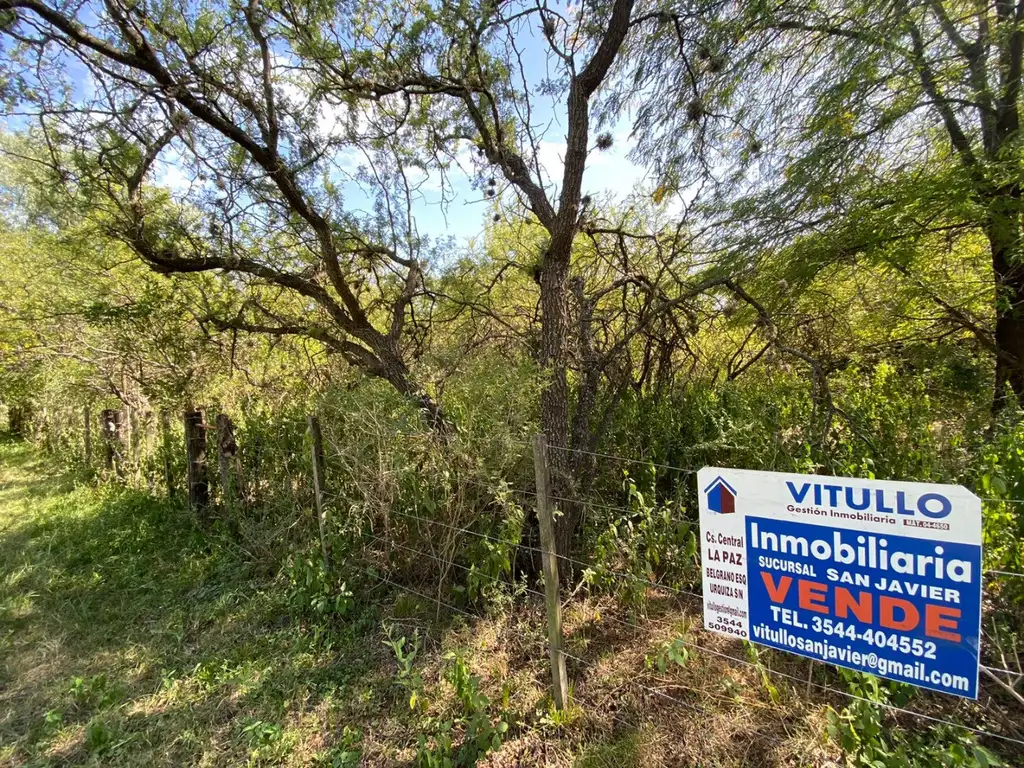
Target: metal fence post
x,y
549,559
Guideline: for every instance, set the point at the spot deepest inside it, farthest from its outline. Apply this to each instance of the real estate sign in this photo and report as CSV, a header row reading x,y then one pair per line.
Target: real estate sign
x,y
878,576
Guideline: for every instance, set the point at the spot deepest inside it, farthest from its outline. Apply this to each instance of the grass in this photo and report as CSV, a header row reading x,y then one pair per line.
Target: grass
x,y
128,638
131,637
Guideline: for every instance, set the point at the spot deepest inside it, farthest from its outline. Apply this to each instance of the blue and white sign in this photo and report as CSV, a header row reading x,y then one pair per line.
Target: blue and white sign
x,y
873,575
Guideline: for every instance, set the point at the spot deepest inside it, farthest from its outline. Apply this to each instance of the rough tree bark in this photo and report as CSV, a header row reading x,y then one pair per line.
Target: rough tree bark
x,y
1004,236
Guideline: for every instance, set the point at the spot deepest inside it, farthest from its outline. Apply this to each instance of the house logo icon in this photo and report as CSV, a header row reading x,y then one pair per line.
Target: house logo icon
x,y
721,496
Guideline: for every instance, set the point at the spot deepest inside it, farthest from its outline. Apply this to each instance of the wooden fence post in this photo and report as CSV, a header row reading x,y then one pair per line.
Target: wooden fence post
x,y
316,448
148,439
227,454
134,435
16,420
113,458
549,559
87,421
165,429
195,451
127,420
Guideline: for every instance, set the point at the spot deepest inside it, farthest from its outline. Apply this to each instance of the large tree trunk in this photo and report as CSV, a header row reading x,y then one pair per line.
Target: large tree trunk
x,y
1004,236
556,336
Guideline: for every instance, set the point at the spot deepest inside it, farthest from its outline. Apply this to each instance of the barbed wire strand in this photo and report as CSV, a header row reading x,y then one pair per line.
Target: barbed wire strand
x,y
634,627
684,470
691,470
442,561
613,572
826,688
617,508
551,447
1017,574
541,551
412,591
624,459
583,564
671,626
754,665
620,508
528,492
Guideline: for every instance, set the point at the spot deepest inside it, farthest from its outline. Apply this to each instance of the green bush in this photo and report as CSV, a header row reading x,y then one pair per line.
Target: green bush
x,y
860,729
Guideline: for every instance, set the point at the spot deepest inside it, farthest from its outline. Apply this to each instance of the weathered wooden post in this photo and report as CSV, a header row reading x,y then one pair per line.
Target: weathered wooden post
x,y
549,559
43,428
316,447
165,429
15,419
87,423
148,440
227,454
134,435
113,458
195,451
127,423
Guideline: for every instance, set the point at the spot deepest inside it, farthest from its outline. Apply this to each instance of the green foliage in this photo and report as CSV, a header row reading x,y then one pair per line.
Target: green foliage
x,y
480,730
172,641
100,739
407,677
490,559
862,732
312,592
268,744
753,652
262,734
650,542
347,753
94,693
670,652
1002,477
868,352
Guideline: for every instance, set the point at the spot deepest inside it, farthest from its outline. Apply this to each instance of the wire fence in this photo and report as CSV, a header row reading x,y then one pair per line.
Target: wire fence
x,y
695,638
692,644
692,638
1001,688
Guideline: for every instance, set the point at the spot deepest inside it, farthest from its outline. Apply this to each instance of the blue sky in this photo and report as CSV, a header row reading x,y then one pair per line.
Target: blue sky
x,y
609,174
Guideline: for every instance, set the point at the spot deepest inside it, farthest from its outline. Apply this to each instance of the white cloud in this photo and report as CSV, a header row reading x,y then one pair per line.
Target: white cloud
x,y
174,177
171,170
607,170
